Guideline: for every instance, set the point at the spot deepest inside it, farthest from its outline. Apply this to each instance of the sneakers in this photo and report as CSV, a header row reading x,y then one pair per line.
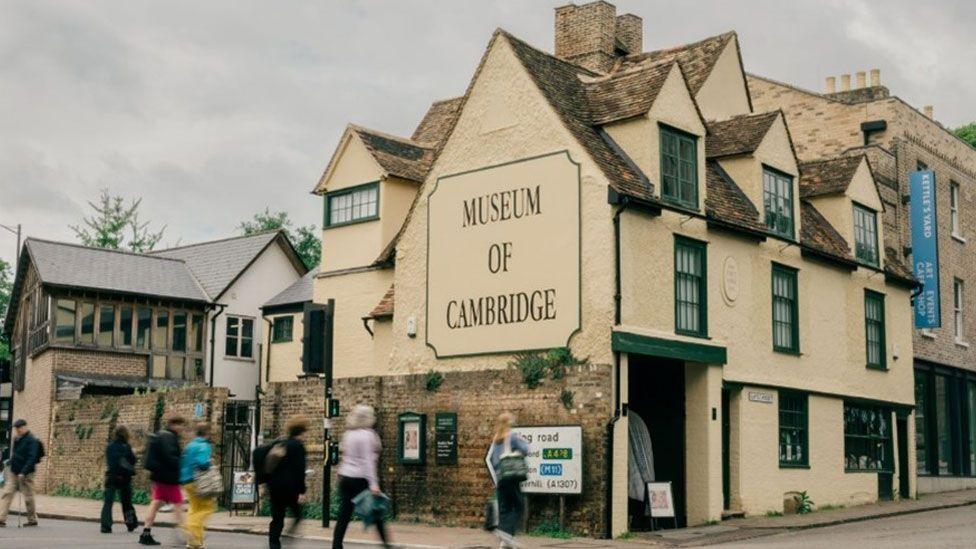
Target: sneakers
x,y
146,539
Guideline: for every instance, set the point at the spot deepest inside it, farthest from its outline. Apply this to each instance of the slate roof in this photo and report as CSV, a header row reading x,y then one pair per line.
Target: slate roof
x,y
398,156
817,233
299,292
76,266
828,176
384,308
625,94
697,59
218,263
727,203
738,135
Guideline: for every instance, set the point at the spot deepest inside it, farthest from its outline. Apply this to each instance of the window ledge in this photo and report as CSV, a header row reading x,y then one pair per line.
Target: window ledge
x,y
962,343
877,367
239,359
958,238
927,333
787,352
793,466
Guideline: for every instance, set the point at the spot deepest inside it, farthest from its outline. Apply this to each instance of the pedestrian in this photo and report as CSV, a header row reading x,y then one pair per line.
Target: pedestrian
x,y
197,457
358,469
120,466
508,453
163,463
285,467
20,474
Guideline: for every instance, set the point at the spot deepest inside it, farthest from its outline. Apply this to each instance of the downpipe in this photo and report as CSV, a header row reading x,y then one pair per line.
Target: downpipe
x,y
611,425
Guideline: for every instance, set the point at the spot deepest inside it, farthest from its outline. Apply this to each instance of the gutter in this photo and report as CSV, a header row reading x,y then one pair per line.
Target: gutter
x,y
213,328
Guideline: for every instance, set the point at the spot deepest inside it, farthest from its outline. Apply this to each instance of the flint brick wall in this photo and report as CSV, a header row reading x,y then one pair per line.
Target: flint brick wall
x,y
81,429
456,494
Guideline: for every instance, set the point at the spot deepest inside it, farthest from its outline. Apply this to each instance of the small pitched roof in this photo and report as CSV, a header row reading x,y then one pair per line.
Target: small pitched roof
x,y
829,176
818,234
896,268
218,263
625,94
740,134
697,59
398,156
75,266
438,122
725,201
299,292
384,308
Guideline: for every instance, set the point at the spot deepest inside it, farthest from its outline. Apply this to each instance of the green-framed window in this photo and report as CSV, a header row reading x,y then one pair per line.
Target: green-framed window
x,y
282,329
786,315
679,167
865,235
874,329
867,438
690,287
793,429
352,205
778,202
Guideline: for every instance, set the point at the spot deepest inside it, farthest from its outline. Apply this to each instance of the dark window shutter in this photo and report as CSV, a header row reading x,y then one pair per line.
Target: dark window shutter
x,y
313,341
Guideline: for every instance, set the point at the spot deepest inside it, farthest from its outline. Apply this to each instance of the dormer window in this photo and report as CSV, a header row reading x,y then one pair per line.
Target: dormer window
x,y
865,235
352,205
679,167
778,202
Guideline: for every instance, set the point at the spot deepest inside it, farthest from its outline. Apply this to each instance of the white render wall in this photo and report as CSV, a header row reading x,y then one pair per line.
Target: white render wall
x,y
267,276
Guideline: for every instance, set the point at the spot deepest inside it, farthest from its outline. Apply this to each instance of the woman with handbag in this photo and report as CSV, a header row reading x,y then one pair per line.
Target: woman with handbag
x,y
358,471
508,452
202,484
120,466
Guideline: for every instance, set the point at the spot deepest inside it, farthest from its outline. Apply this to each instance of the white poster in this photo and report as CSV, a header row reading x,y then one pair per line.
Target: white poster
x,y
411,440
555,459
660,500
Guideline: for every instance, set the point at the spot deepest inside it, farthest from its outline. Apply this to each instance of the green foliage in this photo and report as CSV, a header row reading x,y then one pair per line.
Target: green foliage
x,y
159,409
537,366
115,225
774,514
804,504
6,286
566,397
967,133
829,507
626,535
109,411
304,239
139,497
551,528
434,380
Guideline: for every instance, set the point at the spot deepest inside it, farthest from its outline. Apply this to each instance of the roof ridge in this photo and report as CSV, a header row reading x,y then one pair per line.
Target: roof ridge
x,y
601,78
407,140
150,255
225,239
547,54
440,101
637,56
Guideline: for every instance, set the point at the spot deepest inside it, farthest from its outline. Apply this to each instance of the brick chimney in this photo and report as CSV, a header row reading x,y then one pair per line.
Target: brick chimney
x,y
593,36
831,84
875,78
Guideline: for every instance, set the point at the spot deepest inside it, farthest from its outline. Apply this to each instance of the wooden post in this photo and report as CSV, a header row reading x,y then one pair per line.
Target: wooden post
x,y
562,512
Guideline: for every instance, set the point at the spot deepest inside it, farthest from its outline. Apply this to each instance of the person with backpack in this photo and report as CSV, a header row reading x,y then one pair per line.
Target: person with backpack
x,y
120,467
163,463
27,452
194,465
358,470
507,454
282,467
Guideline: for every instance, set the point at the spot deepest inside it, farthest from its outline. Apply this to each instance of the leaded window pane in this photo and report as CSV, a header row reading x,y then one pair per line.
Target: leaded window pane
x,y
778,202
865,235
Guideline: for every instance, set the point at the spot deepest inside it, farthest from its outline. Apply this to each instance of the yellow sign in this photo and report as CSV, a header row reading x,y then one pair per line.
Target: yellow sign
x,y
503,257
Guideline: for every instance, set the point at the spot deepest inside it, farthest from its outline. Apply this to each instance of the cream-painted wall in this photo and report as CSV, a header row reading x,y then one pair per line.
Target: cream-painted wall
x,y
398,195
640,137
620,517
282,361
353,165
725,92
703,442
356,294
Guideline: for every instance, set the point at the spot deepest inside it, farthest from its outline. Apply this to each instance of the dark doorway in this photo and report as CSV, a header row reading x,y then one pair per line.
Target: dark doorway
x,y
904,490
657,394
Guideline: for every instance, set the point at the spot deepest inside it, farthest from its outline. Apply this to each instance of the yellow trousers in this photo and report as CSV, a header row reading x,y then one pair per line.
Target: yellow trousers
x,y
200,509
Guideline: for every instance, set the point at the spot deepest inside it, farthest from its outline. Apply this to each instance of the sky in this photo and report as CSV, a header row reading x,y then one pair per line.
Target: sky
x,y
213,111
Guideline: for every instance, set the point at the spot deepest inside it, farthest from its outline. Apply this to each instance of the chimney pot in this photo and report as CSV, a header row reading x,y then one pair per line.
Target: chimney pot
x,y
927,110
845,82
861,79
831,84
875,78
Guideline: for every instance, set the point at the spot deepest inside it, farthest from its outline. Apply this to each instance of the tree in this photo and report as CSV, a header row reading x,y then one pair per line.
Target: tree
x,y
6,286
304,239
116,226
967,133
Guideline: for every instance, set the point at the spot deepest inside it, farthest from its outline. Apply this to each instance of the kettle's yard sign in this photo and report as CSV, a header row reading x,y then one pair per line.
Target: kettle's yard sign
x,y
503,257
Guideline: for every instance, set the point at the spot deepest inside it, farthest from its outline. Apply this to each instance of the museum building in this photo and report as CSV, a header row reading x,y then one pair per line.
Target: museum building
x,y
749,311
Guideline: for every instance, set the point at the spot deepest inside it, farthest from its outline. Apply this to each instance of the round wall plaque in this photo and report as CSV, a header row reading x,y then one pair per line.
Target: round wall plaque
x,y
730,280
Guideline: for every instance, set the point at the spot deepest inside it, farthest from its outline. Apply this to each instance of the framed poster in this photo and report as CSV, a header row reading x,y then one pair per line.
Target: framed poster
x,y
412,438
660,501
445,438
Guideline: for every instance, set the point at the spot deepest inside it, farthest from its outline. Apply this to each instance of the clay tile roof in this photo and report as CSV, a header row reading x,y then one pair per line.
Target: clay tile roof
x,y
697,59
726,202
896,268
827,176
399,156
821,236
560,83
625,94
384,308
738,135
438,122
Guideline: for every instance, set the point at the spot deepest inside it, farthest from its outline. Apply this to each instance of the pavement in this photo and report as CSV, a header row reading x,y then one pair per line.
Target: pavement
x,y
422,536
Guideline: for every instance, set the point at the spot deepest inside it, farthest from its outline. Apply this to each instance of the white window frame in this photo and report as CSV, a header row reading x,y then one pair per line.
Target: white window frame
x,y
239,337
954,223
958,305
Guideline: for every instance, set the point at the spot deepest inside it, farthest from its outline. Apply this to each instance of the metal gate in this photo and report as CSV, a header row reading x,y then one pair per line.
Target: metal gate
x,y
235,448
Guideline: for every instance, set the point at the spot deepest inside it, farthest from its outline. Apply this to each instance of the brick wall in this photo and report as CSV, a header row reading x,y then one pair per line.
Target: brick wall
x,y
101,362
456,494
81,429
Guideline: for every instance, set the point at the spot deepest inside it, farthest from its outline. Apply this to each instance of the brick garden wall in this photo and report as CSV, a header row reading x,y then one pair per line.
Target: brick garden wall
x,y
456,494
81,429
